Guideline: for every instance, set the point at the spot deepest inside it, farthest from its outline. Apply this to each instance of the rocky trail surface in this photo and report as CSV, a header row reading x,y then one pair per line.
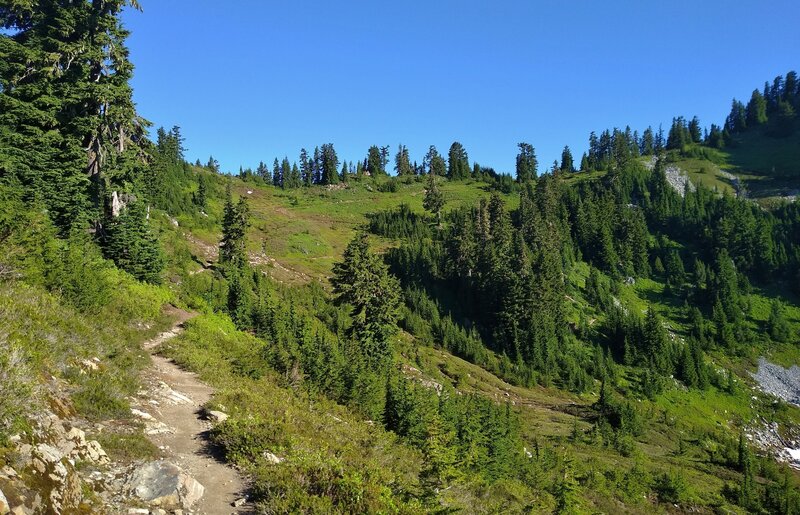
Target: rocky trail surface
x,y
57,467
170,406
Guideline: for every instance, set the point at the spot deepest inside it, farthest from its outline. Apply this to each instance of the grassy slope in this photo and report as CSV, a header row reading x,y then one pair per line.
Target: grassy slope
x,y
304,232
768,166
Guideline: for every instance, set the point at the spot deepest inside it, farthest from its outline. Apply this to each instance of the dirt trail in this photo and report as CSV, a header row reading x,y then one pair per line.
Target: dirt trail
x,y
173,400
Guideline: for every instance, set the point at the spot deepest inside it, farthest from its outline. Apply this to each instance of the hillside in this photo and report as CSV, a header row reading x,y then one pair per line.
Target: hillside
x,y
329,337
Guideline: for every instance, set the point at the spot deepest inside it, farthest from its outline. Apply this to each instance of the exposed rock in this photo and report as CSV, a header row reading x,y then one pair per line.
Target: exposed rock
x,y
783,383
679,180
61,481
239,502
88,365
138,511
4,506
271,458
45,455
94,453
61,407
152,426
165,485
217,417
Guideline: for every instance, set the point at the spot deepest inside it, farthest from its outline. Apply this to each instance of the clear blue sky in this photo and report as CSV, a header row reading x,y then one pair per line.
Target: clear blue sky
x,y
252,80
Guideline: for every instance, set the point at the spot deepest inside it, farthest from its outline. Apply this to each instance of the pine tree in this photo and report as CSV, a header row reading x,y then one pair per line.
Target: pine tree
x,y
457,163
201,196
434,200
64,83
402,162
330,165
694,130
235,220
756,110
362,280
277,174
566,160
374,163
306,168
131,244
264,173
526,163
777,325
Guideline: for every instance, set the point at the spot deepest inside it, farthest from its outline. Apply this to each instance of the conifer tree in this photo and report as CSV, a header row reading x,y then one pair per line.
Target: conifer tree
x,y
235,220
777,325
362,280
131,244
330,165
264,173
458,162
434,200
402,162
566,160
64,80
526,163
374,163
756,110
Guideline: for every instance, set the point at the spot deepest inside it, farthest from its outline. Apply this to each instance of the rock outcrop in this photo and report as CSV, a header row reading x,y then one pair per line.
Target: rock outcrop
x,y
164,485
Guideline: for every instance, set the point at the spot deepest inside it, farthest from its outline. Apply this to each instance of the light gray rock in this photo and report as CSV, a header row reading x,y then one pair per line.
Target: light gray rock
x,y
271,458
783,383
165,485
217,417
4,506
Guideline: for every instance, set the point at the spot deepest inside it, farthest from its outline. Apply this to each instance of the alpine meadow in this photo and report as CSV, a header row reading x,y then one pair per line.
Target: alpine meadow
x,y
402,330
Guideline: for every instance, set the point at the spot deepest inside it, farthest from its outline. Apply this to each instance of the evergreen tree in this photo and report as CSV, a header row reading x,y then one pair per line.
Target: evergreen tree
x,y
330,164
263,172
306,168
756,110
362,280
777,325
584,162
277,174
457,163
64,84
374,163
694,130
434,200
647,144
566,160
526,163
235,220
737,119
201,196
131,244
402,162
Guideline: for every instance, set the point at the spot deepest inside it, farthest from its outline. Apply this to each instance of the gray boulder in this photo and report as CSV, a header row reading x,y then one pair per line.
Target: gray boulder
x,y
165,485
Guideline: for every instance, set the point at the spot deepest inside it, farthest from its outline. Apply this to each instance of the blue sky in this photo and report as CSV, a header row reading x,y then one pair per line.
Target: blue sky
x,y
252,80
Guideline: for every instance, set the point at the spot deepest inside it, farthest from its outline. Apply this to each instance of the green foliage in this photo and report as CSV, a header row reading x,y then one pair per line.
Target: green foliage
x,y
777,325
434,200
131,244
235,220
363,281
